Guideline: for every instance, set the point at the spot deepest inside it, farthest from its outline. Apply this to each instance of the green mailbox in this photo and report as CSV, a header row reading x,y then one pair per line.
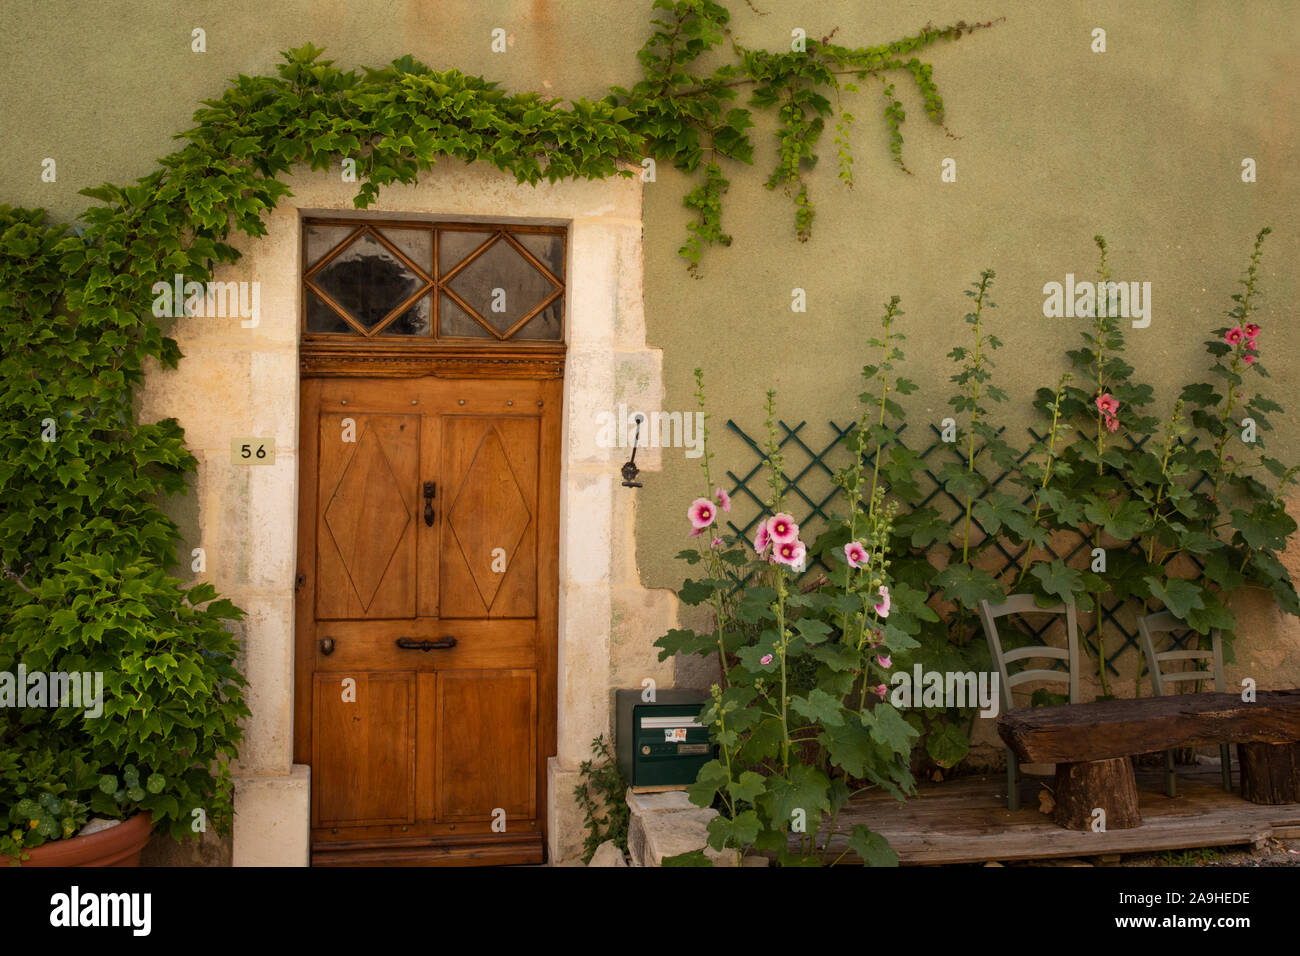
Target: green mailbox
x,y
660,745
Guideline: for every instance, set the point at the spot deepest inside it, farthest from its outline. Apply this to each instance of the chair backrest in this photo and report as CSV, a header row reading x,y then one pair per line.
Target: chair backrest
x,y
1025,604
1164,622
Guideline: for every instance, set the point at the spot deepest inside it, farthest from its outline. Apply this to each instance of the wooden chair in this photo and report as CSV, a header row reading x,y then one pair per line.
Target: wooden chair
x,y
1165,622
1025,604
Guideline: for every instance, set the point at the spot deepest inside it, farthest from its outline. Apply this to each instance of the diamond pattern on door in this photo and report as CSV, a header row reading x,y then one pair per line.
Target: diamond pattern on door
x,y
367,517
490,513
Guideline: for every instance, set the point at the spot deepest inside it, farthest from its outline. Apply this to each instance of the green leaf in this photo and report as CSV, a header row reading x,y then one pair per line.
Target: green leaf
x,y
872,848
819,707
1058,580
889,728
947,745
967,585
1178,595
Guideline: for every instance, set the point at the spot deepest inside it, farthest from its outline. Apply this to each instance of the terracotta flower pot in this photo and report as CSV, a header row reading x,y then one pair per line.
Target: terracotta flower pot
x,y
117,846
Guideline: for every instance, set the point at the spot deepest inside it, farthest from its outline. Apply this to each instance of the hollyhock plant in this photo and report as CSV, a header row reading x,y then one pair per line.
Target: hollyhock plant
x,y
724,499
855,554
782,529
702,514
1233,336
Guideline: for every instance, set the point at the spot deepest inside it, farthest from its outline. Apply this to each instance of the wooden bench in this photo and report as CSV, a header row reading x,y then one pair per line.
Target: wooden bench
x,y
1092,744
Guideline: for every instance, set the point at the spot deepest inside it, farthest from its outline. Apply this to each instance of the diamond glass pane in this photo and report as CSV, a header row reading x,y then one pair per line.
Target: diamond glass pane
x,y
322,238
548,248
367,280
415,321
501,285
416,245
455,245
545,326
454,322
321,318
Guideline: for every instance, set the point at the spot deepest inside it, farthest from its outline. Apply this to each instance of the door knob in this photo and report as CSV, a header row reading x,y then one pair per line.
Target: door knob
x,y
327,646
430,489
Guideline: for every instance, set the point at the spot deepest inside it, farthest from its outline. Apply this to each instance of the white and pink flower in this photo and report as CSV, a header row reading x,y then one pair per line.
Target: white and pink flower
x,y
855,554
724,499
702,513
762,540
882,608
790,553
782,529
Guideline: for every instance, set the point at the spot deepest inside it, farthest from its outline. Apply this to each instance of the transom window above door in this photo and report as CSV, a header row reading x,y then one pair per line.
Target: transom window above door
x,y
422,282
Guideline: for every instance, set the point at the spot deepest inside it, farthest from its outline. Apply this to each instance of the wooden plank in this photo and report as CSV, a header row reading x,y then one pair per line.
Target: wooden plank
x,y
933,828
1118,728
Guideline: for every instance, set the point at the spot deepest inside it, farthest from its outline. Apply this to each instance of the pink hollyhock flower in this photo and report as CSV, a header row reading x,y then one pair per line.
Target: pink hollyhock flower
x,y
1107,404
1112,424
702,513
724,499
1233,336
1250,359
885,661
1252,331
880,690
762,540
765,659
791,553
715,543
883,607
782,529
695,533
1252,345
855,554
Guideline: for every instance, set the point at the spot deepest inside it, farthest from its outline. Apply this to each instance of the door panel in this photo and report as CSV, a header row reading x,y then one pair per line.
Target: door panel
x,y
365,749
441,608
489,558
487,719
368,489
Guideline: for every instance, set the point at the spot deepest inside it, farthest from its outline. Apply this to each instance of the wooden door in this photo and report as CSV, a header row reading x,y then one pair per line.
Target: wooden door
x,y
426,617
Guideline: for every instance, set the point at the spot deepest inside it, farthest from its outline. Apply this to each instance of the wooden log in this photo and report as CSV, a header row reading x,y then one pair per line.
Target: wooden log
x,y
1270,773
1081,788
1116,728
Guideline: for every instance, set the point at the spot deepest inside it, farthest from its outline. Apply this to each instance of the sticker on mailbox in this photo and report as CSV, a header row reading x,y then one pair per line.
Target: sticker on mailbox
x,y
674,734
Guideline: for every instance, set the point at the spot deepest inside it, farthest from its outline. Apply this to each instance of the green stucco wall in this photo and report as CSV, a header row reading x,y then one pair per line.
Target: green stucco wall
x,y
1053,143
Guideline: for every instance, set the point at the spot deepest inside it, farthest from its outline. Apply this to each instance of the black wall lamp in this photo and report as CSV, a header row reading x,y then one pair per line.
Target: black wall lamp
x,y
630,470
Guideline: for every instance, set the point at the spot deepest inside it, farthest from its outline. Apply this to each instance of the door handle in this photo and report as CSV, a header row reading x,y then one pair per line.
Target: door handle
x,y
327,646
430,489
411,644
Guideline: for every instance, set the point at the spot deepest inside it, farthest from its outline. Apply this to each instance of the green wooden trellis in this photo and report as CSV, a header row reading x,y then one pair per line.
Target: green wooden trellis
x,y
749,508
